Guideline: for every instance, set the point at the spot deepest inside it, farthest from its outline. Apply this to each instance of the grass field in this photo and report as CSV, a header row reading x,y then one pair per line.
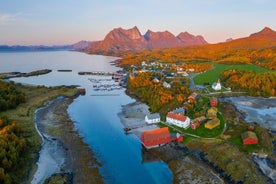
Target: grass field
x,y
212,75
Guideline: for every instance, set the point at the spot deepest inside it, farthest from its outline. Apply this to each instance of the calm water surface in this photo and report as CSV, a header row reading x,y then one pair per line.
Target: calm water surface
x,y
95,114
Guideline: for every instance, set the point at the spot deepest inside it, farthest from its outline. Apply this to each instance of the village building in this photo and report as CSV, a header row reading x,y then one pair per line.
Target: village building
x,y
156,79
179,110
178,120
143,63
180,71
249,137
176,137
213,123
251,128
211,113
216,86
82,91
193,97
152,118
158,137
213,101
166,85
195,123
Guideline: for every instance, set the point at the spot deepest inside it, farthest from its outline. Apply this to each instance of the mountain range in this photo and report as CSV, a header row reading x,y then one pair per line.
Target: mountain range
x,y
120,39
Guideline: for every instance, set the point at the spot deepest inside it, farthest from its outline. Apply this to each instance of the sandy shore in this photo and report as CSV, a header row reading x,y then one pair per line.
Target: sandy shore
x,y
186,169
63,151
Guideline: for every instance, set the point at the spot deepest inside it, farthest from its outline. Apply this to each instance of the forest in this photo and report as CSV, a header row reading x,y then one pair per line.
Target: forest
x,y
11,147
11,142
256,84
159,98
262,57
9,96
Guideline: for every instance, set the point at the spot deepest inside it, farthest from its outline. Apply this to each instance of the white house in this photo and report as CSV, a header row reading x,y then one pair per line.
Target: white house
x,y
216,85
166,85
152,118
178,120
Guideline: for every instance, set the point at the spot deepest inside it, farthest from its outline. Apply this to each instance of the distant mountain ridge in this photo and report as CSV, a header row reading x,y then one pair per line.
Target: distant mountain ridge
x,y
21,48
262,39
120,39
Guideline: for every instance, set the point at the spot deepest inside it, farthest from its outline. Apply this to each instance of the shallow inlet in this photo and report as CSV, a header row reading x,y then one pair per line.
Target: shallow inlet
x,y
95,114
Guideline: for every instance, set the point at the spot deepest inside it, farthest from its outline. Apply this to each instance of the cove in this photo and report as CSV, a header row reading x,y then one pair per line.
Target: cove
x,y
95,114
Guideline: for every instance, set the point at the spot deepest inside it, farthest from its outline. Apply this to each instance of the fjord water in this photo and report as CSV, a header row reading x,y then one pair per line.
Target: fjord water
x,y
95,114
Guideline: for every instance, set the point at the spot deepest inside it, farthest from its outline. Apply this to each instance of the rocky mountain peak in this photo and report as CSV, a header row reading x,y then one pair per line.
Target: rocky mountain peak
x,y
267,32
131,39
189,39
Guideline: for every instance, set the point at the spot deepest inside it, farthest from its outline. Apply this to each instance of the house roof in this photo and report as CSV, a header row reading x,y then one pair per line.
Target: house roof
x,y
153,116
212,110
156,134
193,95
249,134
179,117
213,121
198,119
178,110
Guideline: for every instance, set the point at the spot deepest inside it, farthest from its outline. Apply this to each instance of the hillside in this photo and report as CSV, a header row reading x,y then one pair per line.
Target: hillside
x,y
258,48
120,39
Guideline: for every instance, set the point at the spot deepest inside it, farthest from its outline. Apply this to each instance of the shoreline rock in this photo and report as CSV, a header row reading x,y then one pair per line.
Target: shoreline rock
x,y
185,168
74,156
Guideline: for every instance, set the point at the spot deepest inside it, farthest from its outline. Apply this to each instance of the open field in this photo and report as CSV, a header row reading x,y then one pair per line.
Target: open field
x,y
212,75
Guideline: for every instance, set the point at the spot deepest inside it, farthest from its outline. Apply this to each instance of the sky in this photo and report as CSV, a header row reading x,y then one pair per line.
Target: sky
x,y
60,22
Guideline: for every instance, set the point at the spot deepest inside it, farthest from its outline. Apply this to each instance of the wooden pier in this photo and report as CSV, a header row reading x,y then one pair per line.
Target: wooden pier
x,y
97,73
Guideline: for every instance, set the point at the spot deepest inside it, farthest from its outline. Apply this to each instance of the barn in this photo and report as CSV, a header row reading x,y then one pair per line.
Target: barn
x,y
213,101
249,138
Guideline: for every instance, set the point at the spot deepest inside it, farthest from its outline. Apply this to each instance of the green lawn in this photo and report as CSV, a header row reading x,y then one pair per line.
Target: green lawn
x,y
212,75
203,132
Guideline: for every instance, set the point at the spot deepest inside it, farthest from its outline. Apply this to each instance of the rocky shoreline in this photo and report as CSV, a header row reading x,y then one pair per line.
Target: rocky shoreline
x,y
65,152
185,167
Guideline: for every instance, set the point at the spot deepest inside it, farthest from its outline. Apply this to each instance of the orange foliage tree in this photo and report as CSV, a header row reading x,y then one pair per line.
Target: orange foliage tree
x,y
154,93
259,84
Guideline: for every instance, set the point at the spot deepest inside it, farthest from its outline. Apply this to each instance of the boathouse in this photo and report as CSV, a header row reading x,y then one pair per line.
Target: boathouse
x,y
158,137
82,91
249,137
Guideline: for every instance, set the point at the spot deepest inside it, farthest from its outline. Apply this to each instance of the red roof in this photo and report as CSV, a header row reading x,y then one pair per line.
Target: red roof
x,y
179,117
249,138
155,137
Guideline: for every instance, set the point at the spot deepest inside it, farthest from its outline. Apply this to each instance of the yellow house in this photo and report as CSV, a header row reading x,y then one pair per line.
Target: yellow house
x,y
212,113
213,123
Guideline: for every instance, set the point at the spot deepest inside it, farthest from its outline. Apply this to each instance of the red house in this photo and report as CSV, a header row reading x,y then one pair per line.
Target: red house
x,y
157,137
249,138
195,123
213,101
